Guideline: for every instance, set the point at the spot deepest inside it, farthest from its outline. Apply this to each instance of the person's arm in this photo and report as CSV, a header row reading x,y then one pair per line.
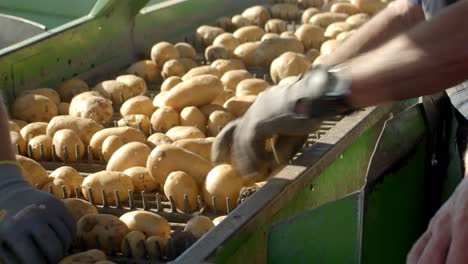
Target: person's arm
x,y
397,17
431,57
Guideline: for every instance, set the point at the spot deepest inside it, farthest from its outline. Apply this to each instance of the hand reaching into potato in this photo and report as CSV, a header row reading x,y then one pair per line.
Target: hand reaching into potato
x,y
293,110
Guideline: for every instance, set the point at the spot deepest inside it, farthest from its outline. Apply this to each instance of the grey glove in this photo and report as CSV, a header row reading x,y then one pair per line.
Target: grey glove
x,y
35,227
295,110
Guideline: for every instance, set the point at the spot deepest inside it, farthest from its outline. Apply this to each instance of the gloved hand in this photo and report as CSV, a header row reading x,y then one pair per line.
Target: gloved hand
x,y
293,110
35,227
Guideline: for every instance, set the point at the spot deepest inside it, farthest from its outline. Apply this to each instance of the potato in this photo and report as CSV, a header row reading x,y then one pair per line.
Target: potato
x,y
311,36
138,105
162,52
101,226
197,91
63,108
224,66
13,126
69,88
166,158
224,23
133,154
141,179
223,97
136,242
358,20
287,1
222,182
218,120
324,19
35,145
158,139
83,127
109,181
249,34
177,185
164,119
33,130
170,82
34,173
246,52
251,87
20,123
148,223
34,108
93,106
312,54
199,225
146,69
219,219
192,116
151,245
79,207
110,145
68,145
285,11
136,84
308,14
270,36
231,78
329,46
258,15
199,146
369,6
213,53
57,186
202,70
210,108
158,100
117,92
334,29
205,35
91,256
47,92
140,122
184,132
239,21
173,68
127,134
344,35
310,3
226,40
186,50
288,64
275,25
320,60
238,105
326,7
188,63
71,177
270,49
346,8
288,35
18,143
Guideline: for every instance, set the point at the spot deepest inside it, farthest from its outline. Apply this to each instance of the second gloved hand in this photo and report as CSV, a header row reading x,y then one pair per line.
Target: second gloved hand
x,y
293,110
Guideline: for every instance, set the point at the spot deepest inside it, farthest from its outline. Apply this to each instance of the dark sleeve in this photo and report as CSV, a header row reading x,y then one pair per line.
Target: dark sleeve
x,y
417,2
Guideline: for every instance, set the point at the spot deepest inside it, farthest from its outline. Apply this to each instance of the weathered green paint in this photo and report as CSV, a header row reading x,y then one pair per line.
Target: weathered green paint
x,y
327,234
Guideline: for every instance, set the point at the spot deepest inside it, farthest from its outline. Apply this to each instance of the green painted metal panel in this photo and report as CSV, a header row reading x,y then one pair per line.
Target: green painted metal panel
x,y
327,234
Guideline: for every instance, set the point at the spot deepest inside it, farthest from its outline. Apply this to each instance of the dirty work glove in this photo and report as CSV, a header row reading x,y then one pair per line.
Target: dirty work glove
x,y
35,227
293,110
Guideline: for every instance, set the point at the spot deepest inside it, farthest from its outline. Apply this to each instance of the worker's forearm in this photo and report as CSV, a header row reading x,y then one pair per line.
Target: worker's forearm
x,y
397,17
431,57
6,151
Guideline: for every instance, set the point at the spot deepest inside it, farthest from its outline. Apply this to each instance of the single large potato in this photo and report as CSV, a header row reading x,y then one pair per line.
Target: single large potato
x,y
117,92
138,105
324,19
68,145
136,84
141,179
136,242
224,23
227,65
288,64
346,8
58,188
184,132
199,146
369,6
197,91
177,185
72,178
246,53
93,106
199,225
257,15
33,130
238,105
83,127
47,92
334,29
308,14
140,122
311,36
127,134
79,207
156,246
18,143
226,40
213,53
170,82
146,69
34,108
358,20
239,21
69,88
270,49
164,119
166,158
41,148
251,86
148,223
205,35
108,181
186,50
249,34
110,145
218,120
192,116
132,154
173,68
91,256
231,78
158,139
34,173
275,25
162,52
101,226
202,70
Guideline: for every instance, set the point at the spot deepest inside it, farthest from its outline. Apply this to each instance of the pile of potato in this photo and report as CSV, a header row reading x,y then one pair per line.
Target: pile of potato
x,y
162,142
